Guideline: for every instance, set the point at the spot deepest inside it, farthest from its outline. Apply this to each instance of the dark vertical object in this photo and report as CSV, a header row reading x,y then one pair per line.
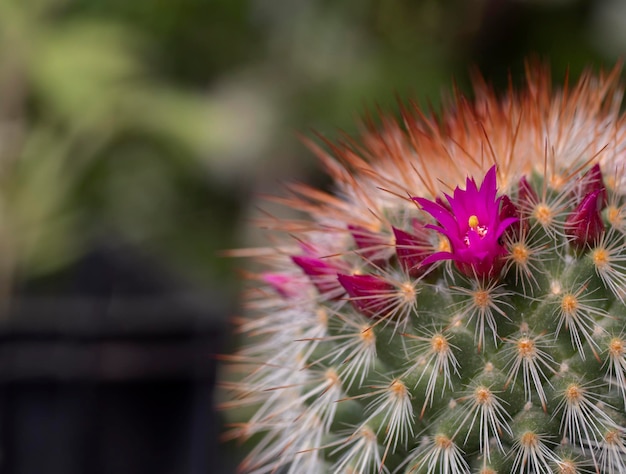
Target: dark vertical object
x,y
114,374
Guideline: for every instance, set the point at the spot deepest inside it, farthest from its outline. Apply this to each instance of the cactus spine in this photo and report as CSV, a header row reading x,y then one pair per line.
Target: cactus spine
x,y
457,305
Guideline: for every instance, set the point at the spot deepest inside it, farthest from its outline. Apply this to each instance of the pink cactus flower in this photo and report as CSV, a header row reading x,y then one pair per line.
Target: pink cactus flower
x,y
473,226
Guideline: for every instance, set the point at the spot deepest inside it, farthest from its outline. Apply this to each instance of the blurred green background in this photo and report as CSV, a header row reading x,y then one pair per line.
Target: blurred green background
x,y
153,123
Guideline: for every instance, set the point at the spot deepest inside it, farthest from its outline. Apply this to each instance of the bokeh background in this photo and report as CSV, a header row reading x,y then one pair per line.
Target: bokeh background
x,y
134,137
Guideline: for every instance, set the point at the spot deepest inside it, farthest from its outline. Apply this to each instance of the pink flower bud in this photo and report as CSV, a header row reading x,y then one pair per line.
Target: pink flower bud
x,y
374,247
369,294
508,209
592,181
285,284
412,249
584,226
322,273
526,196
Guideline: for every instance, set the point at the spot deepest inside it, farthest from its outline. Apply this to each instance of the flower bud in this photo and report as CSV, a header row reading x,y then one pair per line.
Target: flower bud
x,y
412,249
285,284
374,247
584,226
322,274
369,294
508,209
592,181
526,196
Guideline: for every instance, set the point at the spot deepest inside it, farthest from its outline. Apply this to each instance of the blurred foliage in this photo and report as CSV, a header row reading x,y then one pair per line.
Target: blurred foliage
x,y
95,146
151,122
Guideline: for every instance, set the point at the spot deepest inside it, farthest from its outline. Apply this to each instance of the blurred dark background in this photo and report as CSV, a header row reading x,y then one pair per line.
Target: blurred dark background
x,y
134,136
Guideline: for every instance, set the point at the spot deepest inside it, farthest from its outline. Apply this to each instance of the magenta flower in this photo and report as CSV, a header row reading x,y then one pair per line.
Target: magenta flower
x,y
473,226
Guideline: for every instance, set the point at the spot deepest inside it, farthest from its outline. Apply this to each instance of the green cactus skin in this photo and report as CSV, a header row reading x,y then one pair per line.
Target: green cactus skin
x,y
362,353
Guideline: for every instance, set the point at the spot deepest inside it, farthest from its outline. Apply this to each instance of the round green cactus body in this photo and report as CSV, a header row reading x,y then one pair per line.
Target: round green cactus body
x,y
457,305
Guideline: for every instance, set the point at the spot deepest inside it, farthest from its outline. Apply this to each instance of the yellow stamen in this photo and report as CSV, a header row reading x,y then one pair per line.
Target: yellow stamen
x,y
473,222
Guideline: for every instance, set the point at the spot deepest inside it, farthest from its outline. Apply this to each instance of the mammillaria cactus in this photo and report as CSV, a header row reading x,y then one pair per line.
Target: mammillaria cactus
x,y
457,305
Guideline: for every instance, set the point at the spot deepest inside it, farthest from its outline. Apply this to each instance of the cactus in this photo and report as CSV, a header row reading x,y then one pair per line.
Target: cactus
x,y
457,304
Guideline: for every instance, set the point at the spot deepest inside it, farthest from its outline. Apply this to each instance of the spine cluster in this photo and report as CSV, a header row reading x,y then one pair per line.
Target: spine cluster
x,y
416,324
